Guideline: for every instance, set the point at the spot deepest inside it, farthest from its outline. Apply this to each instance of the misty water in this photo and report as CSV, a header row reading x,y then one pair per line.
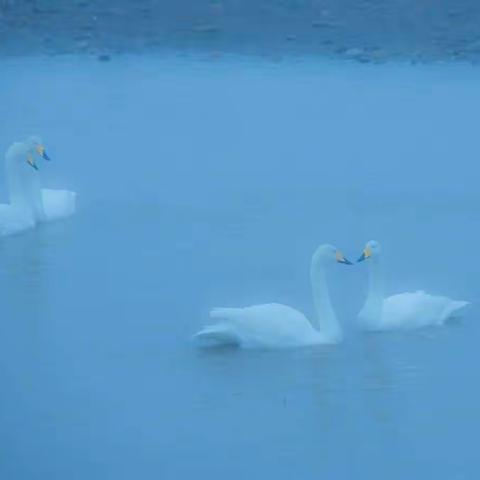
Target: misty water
x,y
203,183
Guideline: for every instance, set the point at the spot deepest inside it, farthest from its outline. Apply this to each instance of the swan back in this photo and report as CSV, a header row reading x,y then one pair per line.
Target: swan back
x,y
271,325
418,309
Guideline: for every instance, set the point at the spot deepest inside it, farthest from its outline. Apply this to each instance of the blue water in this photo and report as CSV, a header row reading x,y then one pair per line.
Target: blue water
x,y
207,184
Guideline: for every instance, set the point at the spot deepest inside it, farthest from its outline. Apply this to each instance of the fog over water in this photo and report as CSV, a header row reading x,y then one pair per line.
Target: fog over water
x,y
206,183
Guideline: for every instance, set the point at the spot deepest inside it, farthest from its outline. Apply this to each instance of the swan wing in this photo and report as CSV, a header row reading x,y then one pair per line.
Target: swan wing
x,y
219,334
269,325
58,203
418,309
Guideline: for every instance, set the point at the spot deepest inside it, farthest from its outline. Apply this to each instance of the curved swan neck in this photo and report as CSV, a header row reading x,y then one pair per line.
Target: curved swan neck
x,y
371,313
14,183
23,182
326,319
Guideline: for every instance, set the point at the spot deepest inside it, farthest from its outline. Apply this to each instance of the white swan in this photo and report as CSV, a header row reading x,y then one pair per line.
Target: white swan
x,y
404,310
30,204
274,325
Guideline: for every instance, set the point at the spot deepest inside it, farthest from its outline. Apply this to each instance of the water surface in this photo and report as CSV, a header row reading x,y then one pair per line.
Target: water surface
x,y
208,184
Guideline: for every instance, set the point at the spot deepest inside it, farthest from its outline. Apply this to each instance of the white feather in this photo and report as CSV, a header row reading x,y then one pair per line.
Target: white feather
x,y
407,310
29,203
271,325
274,325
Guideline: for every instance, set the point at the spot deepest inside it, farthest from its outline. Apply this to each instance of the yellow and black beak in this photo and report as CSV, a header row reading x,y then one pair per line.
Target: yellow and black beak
x,y
41,151
31,161
341,259
367,253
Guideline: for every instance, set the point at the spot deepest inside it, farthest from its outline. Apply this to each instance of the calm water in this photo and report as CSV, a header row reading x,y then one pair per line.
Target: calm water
x,y
204,184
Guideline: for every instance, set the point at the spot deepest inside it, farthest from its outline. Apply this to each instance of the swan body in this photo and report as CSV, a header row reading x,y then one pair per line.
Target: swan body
x,y
29,203
269,325
274,325
408,310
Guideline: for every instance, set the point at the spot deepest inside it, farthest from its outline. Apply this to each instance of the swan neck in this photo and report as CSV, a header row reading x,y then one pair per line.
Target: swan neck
x,y
326,319
23,184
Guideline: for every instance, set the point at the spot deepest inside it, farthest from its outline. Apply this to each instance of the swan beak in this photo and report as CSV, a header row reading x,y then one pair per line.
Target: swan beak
x,y
31,162
341,259
367,253
41,151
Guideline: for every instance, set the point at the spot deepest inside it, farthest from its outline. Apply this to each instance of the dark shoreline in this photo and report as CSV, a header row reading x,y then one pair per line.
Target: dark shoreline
x,y
417,31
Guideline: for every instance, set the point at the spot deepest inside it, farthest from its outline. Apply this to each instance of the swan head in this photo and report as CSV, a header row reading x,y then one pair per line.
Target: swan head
x,y
35,148
372,250
328,254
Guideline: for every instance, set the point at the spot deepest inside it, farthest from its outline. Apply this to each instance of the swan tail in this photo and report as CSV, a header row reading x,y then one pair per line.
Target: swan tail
x,y
223,331
453,307
215,335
